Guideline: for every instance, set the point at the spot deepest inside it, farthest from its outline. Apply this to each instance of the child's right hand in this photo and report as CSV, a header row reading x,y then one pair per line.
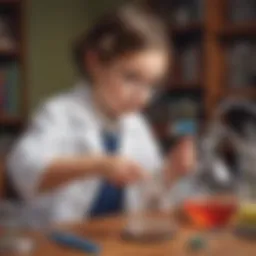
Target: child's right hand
x,y
122,171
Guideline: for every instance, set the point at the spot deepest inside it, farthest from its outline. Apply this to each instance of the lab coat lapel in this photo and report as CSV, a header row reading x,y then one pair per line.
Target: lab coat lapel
x,y
90,126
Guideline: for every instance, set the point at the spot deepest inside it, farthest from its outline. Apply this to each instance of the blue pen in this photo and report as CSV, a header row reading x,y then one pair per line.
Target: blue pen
x,y
73,241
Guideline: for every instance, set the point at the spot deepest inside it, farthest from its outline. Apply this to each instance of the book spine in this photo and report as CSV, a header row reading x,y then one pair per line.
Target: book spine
x,y
2,92
5,90
12,106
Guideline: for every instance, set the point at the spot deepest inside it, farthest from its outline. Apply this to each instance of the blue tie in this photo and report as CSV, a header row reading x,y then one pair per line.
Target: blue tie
x,y
110,198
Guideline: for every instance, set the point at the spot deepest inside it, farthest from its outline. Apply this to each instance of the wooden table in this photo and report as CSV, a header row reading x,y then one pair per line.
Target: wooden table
x,y
106,232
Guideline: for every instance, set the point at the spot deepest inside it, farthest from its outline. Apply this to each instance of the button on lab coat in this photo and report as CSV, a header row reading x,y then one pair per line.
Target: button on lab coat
x,y
68,125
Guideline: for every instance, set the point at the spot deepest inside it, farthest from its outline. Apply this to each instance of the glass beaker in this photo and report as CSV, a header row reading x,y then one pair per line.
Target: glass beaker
x,y
12,239
212,199
151,220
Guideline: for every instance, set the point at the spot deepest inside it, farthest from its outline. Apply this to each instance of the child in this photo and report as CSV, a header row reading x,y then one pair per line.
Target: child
x,y
87,150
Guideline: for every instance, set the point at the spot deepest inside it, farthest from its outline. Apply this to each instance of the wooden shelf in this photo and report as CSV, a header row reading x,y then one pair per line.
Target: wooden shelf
x,y
177,85
192,28
239,30
10,120
247,92
8,53
10,1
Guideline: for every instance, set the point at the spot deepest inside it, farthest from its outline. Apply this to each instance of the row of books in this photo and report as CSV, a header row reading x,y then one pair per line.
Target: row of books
x,y
242,63
189,61
9,88
242,10
182,12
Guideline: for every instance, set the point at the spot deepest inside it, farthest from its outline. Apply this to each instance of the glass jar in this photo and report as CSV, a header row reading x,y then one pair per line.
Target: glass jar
x,y
247,192
12,239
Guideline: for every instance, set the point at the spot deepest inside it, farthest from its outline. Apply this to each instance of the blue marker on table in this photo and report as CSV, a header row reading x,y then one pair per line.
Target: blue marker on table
x,y
75,242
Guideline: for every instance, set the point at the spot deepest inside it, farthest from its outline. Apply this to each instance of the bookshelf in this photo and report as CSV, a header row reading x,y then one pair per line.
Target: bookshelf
x,y
8,120
185,85
194,27
8,2
248,93
13,91
238,30
9,53
218,28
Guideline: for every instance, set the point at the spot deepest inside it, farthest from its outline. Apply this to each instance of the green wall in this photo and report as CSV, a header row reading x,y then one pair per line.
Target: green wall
x,y
52,26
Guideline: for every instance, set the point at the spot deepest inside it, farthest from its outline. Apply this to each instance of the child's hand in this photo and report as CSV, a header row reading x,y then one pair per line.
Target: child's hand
x,y
181,160
122,171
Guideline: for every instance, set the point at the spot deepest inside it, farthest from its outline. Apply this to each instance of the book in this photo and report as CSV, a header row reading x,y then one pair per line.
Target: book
x,y
9,89
13,89
2,81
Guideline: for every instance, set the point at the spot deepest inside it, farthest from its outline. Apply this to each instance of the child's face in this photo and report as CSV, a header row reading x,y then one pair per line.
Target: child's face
x,y
128,83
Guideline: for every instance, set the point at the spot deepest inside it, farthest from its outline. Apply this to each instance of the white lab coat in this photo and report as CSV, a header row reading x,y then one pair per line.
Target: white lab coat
x,y
68,125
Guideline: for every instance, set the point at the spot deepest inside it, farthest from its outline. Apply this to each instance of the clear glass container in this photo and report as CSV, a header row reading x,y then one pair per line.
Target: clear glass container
x,y
17,222
150,221
13,242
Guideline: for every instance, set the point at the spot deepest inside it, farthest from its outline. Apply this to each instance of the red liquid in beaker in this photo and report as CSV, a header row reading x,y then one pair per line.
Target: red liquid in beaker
x,y
210,213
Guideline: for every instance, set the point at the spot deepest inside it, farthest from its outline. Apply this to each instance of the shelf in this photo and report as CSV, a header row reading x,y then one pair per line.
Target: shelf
x,y
192,28
239,30
180,85
10,1
8,53
249,92
7,120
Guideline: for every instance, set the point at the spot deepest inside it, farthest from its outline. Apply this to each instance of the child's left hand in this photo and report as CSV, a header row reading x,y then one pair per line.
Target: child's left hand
x,y
181,160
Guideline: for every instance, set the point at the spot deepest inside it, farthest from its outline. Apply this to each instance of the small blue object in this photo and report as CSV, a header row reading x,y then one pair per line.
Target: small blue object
x,y
185,127
73,241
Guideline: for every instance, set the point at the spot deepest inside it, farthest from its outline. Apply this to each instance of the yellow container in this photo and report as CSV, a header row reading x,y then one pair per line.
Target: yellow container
x,y
247,214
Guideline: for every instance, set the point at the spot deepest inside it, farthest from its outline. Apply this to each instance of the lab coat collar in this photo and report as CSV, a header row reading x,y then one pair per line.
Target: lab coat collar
x,y
83,93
